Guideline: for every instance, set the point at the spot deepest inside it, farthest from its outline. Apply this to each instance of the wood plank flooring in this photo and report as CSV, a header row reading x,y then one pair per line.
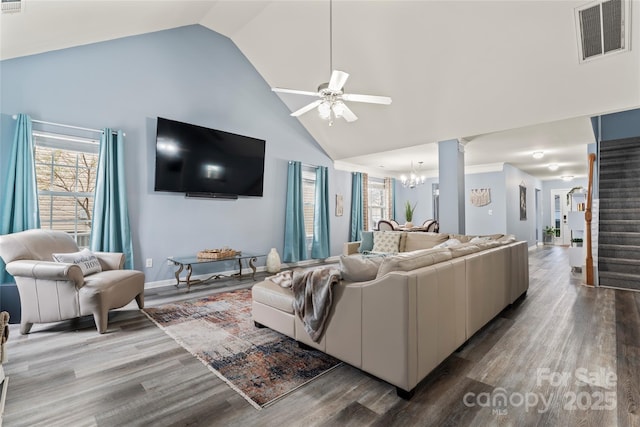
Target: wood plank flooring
x,y
548,356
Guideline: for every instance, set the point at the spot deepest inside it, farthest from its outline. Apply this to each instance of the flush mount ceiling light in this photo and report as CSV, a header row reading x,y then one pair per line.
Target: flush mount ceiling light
x,y
538,154
413,180
553,166
567,177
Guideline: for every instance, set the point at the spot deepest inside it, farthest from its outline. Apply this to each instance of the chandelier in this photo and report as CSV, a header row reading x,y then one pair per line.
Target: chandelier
x,y
414,179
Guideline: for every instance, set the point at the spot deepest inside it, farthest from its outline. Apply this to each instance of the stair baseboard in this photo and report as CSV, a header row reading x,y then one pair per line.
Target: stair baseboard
x,y
619,280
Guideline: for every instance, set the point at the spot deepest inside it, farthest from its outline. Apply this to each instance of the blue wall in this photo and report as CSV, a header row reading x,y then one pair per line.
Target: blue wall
x,y
522,229
492,218
625,124
189,74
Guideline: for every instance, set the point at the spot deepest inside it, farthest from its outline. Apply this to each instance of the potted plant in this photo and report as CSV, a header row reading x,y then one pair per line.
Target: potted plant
x,y
408,213
549,234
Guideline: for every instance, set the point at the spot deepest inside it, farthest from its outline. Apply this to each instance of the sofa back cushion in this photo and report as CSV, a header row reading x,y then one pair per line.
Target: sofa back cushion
x,y
419,240
359,268
464,249
386,241
407,261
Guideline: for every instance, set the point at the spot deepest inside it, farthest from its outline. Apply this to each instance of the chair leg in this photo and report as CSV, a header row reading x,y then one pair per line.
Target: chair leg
x,y
25,327
140,300
101,317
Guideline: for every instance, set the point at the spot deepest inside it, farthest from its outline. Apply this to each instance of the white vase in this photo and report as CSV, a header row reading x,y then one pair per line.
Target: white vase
x,y
273,261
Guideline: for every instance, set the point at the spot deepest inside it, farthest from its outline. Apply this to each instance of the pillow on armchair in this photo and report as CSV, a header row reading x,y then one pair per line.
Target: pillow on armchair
x,y
85,259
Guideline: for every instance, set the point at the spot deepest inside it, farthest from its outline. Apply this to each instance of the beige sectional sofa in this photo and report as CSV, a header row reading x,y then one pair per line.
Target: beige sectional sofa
x,y
421,306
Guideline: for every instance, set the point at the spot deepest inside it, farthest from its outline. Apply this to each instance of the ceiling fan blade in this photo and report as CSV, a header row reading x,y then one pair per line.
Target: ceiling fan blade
x,y
294,91
306,108
348,114
338,79
372,99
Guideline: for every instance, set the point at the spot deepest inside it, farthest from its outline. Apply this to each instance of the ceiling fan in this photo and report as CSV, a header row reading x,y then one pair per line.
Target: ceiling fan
x,y
332,97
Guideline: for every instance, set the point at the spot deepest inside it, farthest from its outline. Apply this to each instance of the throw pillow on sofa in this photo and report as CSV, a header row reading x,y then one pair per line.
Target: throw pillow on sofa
x,y
421,240
85,259
366,244
358,268
386,242
408,261
448,244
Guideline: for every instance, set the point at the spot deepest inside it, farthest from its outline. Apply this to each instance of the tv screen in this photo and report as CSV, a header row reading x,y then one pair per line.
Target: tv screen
x,y
207,162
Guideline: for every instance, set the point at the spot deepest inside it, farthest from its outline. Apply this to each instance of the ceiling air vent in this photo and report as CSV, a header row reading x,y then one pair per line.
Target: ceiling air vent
x,y
11,6
603,28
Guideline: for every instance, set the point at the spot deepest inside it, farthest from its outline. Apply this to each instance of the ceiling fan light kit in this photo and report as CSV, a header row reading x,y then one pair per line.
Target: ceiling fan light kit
x,y
332,97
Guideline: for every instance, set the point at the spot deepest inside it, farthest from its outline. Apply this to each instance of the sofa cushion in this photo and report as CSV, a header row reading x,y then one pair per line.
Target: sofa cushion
x,y
273,295
463,249
448,243
507,238
85,259
386,242
407,261
358,268
462,237
366,244
420,240
479,239
489,244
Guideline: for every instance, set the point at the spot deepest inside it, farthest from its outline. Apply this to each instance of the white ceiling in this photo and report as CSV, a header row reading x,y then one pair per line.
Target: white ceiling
x,y
502,75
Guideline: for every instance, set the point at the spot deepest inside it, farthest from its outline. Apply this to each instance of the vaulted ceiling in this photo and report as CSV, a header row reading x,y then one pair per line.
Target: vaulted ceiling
x,y
504,77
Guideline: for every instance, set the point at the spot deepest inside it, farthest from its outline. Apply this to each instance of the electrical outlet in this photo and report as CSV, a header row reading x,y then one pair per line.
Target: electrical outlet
x,y
490,212
149,262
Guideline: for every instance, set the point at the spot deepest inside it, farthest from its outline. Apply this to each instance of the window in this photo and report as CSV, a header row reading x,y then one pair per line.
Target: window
x,y
379,201
66,177
309,202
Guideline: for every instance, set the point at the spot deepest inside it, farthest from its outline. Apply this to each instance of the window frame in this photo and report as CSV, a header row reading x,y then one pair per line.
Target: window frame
x,y
46,146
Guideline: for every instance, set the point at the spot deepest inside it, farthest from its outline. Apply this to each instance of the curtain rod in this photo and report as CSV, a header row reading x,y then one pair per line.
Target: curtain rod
x,y
15,117
306,165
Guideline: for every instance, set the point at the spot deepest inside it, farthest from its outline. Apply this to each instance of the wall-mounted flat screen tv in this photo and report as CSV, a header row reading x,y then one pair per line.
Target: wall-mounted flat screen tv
x,y
207,162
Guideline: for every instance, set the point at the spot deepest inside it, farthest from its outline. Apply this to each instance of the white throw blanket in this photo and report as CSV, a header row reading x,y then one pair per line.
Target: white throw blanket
x,y
312,295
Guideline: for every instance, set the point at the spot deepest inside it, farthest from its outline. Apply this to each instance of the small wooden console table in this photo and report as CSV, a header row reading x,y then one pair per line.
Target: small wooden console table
x,y
186,263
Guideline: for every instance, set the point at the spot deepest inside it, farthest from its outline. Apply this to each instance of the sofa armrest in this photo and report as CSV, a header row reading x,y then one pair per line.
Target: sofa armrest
x,y
47,270
350,248
110,260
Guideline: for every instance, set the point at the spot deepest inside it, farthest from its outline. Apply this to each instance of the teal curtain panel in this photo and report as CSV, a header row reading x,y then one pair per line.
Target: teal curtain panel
x,y
357,207
110,231
321,246
295,248
20,203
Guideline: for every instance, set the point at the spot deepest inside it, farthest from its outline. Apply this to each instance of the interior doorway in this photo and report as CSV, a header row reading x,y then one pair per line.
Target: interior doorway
x,y
559,213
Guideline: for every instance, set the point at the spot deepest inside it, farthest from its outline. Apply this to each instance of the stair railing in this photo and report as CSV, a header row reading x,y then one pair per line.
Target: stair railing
x,y
587,217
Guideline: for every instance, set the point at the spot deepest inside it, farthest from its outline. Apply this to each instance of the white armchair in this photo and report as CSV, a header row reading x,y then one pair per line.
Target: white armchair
x,y
53,291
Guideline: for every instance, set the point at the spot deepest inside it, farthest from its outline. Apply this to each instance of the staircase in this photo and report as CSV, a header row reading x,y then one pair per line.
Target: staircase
x,y
619,223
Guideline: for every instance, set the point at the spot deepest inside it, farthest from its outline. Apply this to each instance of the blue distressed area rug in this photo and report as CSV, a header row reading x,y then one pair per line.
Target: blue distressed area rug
x,y
260,364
